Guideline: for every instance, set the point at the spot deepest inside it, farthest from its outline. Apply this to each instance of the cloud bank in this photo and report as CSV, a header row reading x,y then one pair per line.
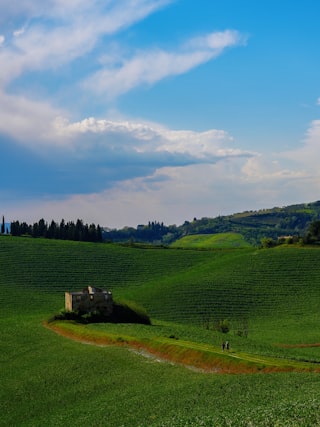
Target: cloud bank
x,y
91,155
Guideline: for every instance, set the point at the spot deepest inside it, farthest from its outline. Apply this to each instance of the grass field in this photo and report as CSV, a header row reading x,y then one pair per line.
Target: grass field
x,y
48,379
211,241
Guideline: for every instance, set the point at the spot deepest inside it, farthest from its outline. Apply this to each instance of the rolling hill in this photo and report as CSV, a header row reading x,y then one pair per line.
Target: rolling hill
x,y
269,297
188,287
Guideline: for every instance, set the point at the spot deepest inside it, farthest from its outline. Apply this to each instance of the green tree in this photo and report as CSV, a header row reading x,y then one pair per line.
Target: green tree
x,y
15,228
52,232
62,230
267,242
41,229
313,233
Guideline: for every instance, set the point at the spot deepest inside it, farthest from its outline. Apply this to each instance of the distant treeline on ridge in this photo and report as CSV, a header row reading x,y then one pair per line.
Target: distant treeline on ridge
x,y
298,223
65,230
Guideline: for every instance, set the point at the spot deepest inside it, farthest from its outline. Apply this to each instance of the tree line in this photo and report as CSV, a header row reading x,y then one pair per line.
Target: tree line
x,y
153,232
311,237
77,231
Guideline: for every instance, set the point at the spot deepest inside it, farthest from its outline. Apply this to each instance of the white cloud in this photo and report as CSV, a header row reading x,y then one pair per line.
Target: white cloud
x,y
25,120
307,155
270,168
28,9
313,133
12,10
92,155
62,32
75,28
93,135
150,67
300,164
18,33
218,40
287,177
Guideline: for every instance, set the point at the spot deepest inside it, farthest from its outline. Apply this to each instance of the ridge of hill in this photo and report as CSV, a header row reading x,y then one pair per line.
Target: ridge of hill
x,y
275,222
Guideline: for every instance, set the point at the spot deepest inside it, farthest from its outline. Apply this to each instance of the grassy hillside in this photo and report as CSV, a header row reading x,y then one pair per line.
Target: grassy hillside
x,y
50,380
189,287
292,220
211,241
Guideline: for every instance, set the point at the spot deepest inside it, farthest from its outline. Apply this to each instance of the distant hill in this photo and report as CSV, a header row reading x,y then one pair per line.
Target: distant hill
x,y
211,241
292,220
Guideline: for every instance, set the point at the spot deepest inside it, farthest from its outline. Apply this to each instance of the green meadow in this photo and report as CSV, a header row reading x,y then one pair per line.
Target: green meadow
x,y
211,241
172,373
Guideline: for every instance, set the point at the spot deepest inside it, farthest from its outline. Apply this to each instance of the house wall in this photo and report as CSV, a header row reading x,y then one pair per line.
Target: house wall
x,y
88,302
68,301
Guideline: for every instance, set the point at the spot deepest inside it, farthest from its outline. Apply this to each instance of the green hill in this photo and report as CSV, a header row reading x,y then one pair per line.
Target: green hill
x,y
180,286
211,241
275,222
292,220
269,298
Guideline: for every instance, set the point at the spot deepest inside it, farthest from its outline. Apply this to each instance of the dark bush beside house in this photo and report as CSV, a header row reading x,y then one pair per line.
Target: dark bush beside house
x,y
122,313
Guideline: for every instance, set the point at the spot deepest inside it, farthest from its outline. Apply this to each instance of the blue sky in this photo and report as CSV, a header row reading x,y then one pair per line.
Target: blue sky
x,y
124,111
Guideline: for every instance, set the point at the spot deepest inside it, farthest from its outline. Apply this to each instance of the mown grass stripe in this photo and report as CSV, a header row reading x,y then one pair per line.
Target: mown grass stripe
x,y
189,353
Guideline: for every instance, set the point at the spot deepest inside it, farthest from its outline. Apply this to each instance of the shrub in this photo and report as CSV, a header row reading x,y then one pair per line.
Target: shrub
x,y
223,326
65,315
267,242
123,312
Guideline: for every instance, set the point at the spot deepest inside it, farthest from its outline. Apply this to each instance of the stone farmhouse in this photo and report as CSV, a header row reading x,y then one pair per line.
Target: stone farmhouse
x,y
88,300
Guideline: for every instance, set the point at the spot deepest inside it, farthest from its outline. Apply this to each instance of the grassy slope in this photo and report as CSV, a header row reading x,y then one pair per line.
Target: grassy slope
x,y
51,380
255,225
205,355
211,241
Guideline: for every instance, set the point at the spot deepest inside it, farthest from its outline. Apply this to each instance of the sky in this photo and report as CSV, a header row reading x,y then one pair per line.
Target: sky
x,y
121,112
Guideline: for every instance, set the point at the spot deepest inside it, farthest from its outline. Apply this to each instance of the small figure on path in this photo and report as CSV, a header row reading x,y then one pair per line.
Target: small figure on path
x,y
223,346
227,345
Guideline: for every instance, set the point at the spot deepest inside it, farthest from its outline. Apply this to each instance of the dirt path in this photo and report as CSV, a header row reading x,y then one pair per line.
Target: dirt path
x,y
192,355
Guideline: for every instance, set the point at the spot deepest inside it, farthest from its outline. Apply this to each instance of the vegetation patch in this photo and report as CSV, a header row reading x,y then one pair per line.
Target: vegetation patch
x,y
123,312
